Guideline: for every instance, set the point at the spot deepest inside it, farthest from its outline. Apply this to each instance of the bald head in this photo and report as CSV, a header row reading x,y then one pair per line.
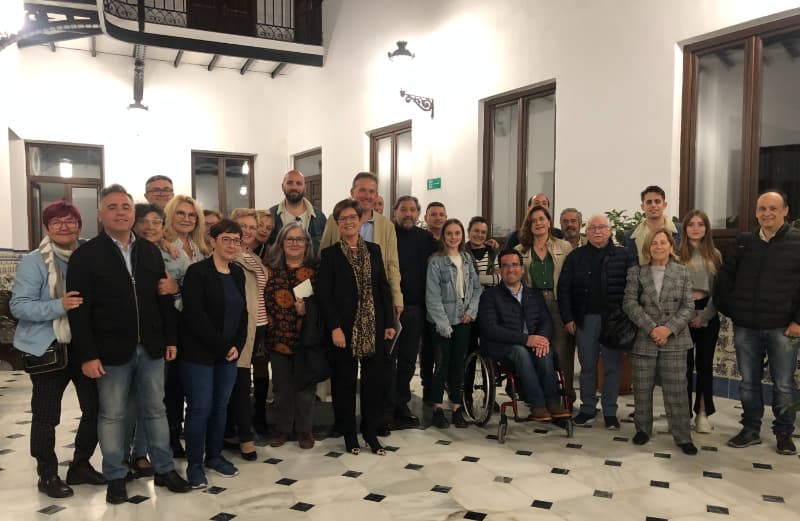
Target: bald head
x,y
771,211
539,199
294,186
598,231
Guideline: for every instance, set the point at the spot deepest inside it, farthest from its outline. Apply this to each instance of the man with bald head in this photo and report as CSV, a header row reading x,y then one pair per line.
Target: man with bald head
x,y
295,207
758,287
592,281
539,199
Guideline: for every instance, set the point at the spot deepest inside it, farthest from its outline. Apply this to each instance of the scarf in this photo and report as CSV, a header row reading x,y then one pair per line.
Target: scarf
x,y
49,251
363,339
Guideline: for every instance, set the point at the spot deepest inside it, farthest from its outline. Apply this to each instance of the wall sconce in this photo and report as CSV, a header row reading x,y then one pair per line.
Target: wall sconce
x,y
65,168
402,54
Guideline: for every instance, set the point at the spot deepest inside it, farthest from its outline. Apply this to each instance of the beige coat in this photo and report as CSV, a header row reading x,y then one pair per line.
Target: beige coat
x,y
558,249
252,296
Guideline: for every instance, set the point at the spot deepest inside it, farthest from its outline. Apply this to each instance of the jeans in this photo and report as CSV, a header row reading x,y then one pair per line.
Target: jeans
x,y
137,440
587,336
751,346
208,389
535,376
448,366
144,376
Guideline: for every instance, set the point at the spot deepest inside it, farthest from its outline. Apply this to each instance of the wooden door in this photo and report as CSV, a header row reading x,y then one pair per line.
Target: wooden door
x,y
314,190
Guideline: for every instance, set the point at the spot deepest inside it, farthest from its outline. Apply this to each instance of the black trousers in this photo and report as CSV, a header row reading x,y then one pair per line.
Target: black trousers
x,y
173,398
344,380
403,360
240,410
701,358
426,358
48,390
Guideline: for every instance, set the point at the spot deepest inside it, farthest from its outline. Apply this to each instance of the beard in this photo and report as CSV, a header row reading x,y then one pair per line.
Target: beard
x,y
407,223
294,197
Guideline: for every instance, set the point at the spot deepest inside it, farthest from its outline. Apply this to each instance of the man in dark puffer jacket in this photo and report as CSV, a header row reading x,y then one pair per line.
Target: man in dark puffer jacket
x,y
758,287
593,277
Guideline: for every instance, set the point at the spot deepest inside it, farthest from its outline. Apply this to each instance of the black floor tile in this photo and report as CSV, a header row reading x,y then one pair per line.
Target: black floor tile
x,y
622,439
23,422
441,488
286,481
523,453
491,436
273,461
651,518
302,507
137,499
659,484
50,510
70,446
540,431
713,509
443,442
557,470
333,454
664,455
715,475
413,466
222,516
215,490
773,499
475,516
13,436
390,448
503,479
542,504
5,451
709,448
603,493
352,474
374,497
613,463
470,459
762,466
574,445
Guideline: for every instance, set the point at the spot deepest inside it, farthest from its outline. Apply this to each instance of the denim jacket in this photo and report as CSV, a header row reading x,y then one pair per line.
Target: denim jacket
x,y
445,308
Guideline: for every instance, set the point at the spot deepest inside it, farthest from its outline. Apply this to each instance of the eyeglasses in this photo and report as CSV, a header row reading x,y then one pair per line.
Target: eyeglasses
x,y
167,190
509,265
598,228
150,222
69,223
295,240
230,241
183,215
348,218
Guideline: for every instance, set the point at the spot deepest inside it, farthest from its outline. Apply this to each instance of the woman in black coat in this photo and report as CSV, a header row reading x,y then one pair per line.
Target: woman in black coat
x,y
356,305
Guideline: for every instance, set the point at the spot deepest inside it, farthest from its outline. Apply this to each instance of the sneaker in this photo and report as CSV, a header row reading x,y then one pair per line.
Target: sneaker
x,y
584,419
612,423
458,419
439,420
785,444
745,438
702,425
540,414
557,410
223,467
688,448
196,477
640,438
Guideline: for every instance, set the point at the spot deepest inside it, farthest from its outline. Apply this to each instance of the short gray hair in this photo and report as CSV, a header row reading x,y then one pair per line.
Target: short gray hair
x,y
566,210
113,189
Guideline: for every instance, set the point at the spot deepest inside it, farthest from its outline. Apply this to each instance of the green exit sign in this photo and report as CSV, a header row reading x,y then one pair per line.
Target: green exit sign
x,y
434,183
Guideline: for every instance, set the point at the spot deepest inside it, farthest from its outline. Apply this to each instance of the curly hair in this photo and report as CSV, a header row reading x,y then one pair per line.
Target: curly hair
x,y
525,233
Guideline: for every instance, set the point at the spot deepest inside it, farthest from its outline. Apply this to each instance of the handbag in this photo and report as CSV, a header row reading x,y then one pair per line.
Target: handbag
x,y
55,358
618,332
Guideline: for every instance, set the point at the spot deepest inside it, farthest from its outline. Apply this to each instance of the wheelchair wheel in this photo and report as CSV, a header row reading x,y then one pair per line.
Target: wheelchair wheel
x,y
479,389
570,428
502,429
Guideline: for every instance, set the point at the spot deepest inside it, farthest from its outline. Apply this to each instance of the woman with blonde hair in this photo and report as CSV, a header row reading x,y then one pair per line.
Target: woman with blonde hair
x,y
697,252
185,227
266,223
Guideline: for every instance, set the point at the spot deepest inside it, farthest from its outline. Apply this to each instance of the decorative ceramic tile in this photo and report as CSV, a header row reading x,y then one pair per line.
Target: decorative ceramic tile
x,y
222,516
441,488
374,497
659,484
773,499
286,481
612,463
475,516
603,493
352,474
50,510
542,504
713,509
413,466
302,507
137,499
715,475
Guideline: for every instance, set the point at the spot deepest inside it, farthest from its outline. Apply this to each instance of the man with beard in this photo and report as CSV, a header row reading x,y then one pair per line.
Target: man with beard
x,y
414,246
296,207
571,222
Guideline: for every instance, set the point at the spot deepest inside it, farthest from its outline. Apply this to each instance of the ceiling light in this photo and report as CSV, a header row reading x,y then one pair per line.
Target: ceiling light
x,y
401,54
246,168
243,190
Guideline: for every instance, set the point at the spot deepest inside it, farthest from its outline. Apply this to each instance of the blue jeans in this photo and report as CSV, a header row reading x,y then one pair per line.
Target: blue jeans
x,y
143,376
136,436
751,346
587,336
208,390
535,376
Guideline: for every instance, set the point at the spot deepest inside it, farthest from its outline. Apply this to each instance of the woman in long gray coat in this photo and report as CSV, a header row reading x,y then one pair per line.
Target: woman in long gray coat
x,y
658,299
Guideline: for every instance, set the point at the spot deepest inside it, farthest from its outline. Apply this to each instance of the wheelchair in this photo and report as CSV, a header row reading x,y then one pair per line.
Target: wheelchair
x,y
483,376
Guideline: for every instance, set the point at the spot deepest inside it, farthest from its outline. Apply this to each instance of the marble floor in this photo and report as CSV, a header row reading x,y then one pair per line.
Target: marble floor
x,y
431,474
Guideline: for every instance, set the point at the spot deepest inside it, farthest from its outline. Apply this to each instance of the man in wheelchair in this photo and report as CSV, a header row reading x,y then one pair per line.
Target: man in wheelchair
x,y
515,328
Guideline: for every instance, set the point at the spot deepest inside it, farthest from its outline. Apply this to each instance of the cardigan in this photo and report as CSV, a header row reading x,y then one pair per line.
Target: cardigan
x,y
558,250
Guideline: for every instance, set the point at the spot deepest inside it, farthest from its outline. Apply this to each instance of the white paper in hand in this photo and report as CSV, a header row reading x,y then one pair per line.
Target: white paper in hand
x,y
304,289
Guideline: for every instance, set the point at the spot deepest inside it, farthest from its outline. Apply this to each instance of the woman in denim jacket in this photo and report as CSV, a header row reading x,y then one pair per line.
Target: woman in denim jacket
x,y
452,292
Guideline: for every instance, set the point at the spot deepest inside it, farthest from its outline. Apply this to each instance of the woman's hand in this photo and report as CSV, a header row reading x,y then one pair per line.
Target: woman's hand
x,y
696,323
170,353
71,300
337,336
388,333
493,244
232,354
169,248
660,334
300,307
467,319
167,285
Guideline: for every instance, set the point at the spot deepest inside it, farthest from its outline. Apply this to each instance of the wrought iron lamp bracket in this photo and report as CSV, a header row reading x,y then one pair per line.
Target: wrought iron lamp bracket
x,y
426,104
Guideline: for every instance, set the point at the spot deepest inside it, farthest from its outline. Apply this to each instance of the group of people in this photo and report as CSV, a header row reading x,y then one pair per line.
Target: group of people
x,y
173,315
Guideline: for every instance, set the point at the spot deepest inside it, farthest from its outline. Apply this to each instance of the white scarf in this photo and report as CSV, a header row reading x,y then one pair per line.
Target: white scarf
x,y
50,251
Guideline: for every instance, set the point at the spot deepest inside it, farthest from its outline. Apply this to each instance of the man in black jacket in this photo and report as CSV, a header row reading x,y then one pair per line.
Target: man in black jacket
x,y
122,334
515,326
414,246
758,287
592,278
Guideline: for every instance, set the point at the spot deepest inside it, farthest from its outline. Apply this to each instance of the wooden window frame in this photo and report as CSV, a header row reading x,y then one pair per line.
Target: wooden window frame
x,y
752,38
222,195
520,97
67,182
392,131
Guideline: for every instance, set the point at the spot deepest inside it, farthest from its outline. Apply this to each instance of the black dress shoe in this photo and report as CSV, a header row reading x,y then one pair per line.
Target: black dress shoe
x,y
84,474
116,492
640,438
54,487
688,448
141,468
173,482
383,431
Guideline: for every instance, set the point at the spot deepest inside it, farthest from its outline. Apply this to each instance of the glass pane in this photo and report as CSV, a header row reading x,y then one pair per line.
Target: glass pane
x,y
384,173
405,163
206,190
237,184
718,149
779,154
504,170
61,161
44,194
540,163
86,201
309,165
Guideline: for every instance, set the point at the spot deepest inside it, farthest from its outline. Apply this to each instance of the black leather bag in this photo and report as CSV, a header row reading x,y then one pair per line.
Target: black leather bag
x,y
618,332
311,355
55,358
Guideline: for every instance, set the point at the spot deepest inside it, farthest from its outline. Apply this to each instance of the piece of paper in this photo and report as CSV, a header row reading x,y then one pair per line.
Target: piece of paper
x,y
398,327
304,289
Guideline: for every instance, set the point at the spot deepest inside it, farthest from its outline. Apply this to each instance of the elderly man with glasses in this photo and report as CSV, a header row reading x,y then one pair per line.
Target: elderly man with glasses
x,y
158,190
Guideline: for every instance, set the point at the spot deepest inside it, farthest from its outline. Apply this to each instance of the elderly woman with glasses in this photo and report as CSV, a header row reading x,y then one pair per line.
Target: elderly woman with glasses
x,y
292,263
215,321
40,301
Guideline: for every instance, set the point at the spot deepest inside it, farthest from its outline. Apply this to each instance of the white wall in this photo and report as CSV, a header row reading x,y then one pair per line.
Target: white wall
x,y
614,62
68,96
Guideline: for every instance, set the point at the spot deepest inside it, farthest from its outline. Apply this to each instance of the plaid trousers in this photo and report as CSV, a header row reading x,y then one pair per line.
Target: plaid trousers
x,y
671,369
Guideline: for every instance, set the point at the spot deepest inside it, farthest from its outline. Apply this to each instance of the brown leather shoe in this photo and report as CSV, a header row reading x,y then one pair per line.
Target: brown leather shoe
x,y
539,414
557,410
305,440
278,439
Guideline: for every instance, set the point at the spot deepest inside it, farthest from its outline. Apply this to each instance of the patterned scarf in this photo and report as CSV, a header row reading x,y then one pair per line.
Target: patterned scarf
x,y
49,251
363,340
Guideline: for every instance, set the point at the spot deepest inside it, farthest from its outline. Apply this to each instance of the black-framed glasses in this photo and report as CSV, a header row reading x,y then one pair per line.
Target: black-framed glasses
x,y
230,241
167,190
295,240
